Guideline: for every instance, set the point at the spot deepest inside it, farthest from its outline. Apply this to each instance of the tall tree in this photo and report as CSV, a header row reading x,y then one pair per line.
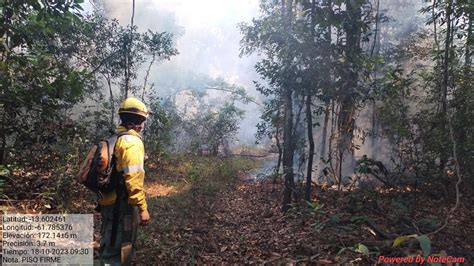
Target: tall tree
x,y
349,94
309,102
288,141
443,115
272,34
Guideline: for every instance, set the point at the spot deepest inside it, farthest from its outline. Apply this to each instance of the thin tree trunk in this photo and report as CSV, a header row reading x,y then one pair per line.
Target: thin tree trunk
x,y
447,46
288,148
7,15
469,43
297,135
280,149
127,55
322,152
333,140
296,122
327,84
309,119
376,31
435,28
280,154
3,136
309,170
146,77
112,101
462,95
444,87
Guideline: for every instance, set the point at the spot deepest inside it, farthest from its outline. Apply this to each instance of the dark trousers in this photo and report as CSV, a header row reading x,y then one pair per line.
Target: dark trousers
x,y
120,252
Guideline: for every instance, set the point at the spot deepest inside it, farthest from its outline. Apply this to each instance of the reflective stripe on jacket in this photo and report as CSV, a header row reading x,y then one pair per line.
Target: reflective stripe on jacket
x,y
130,154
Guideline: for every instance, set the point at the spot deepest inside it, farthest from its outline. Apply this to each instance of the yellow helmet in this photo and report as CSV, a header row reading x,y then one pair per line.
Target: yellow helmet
x,y
132,105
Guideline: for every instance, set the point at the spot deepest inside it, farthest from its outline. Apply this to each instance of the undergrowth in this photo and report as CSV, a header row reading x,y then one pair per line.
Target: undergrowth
x,y
179,216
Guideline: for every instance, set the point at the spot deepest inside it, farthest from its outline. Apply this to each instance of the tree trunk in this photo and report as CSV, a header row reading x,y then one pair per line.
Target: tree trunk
x,y
333,141
326,85
444,99
322,151
278,143
309,118
346,117
309,170
146,76
288,149
127,55
7,16
112,102
467,73
444,86
3,136
462,96
469,43
288,145
215,150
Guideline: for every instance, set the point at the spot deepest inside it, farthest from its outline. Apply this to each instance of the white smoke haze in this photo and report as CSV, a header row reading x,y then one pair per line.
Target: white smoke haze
x,y
208,41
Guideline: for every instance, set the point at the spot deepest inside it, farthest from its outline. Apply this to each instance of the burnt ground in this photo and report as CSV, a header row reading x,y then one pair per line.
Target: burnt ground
x,y
238,218
243,223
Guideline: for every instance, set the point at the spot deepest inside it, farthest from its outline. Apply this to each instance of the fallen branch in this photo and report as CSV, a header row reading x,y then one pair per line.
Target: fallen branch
x,y
378,230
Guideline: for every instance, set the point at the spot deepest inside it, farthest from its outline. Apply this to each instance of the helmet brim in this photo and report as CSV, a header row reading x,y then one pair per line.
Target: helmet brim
x,y
134,111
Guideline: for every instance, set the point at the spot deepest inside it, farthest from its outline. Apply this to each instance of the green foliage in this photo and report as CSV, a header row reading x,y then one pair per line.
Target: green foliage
x,y
315,206
272,121
211,125
120,52
160,126
394,93
192,205
4,171
53,58
361,248
358,248
194,173
311,50
423,240
39,81
425,244
200,115
417,108
399,240
224,124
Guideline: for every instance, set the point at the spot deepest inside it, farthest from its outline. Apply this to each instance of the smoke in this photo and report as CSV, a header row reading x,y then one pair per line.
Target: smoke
x,y
207,39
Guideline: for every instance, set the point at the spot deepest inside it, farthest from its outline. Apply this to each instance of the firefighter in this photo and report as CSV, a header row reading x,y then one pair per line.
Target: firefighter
x,y
125,208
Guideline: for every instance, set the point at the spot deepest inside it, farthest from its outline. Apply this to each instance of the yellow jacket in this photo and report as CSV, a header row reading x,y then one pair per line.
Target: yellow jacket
x,y
130,155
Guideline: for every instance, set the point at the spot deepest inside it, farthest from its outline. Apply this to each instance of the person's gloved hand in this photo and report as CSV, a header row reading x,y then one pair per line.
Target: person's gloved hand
x,y
144,217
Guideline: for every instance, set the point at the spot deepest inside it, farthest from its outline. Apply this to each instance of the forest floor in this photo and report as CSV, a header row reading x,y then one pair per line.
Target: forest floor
x,y
240,221
213,210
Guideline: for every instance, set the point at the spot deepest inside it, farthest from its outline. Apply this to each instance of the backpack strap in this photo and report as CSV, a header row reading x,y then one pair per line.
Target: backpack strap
x,y
111,141
110,151
119,185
